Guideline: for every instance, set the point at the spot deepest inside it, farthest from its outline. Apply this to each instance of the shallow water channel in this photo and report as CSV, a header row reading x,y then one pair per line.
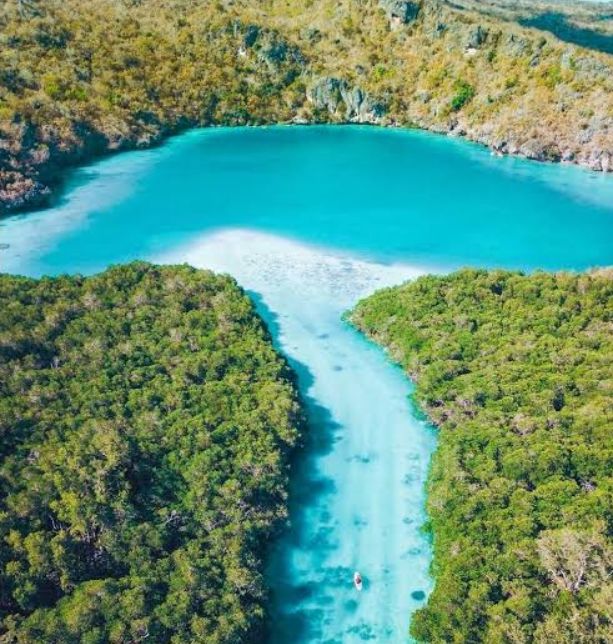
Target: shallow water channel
x,y
309,220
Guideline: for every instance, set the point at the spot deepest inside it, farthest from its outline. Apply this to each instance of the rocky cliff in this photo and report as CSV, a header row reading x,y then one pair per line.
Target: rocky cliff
x,y
83,78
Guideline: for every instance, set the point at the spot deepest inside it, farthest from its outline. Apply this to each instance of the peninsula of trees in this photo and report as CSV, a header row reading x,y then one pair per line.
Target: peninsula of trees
x,y
145,428
79,78
517,373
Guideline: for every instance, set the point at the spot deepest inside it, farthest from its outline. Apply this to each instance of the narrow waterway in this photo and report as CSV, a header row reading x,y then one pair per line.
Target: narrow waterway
x,y
309,220
357,491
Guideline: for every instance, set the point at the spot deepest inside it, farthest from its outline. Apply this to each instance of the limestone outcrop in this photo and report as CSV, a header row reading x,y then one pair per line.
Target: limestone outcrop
x,y
400,11
349,103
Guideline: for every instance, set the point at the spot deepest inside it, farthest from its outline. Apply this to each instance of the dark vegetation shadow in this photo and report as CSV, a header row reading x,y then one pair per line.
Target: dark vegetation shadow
x,y
72,171
306,488
559,25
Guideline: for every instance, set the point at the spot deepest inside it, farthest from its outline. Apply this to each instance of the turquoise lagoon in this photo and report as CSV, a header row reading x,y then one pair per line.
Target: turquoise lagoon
x,y
308,220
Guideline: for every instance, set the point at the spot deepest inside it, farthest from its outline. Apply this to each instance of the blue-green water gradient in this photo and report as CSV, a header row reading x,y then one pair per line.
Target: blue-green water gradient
x,y
310,219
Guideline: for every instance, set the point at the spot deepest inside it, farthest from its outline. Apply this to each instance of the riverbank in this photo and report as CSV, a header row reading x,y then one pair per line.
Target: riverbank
x,y
513,369
26,195
128,78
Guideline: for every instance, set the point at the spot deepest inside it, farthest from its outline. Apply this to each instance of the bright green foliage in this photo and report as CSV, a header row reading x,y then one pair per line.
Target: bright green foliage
x,y
464,93
145,423
517,372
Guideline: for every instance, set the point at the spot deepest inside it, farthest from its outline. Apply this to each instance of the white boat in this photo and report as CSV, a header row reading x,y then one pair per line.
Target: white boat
x,y
357,580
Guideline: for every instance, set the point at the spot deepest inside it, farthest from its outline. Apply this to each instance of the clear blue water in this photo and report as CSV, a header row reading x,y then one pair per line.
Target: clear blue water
x,y
309,220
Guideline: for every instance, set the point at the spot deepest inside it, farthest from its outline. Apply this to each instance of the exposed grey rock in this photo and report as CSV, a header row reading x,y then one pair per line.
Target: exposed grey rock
x,y
354,99
477,37
338,97
276,51
599,160
360,106
325,94
403,11
517,45
589,68
532,149
499,145
271,48
371,110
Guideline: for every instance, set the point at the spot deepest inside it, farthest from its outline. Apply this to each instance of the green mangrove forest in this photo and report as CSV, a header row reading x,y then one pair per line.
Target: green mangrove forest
x,y
146,424
516,371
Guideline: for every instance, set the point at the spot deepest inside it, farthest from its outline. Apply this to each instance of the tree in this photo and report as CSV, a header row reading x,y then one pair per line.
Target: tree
x,y
575,559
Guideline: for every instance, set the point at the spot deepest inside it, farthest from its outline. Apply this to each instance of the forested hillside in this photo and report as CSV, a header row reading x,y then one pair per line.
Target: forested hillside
x,y
79,78
517,373
145,428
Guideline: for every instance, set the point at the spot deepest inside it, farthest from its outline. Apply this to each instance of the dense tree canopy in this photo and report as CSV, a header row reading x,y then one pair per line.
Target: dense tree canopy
x,y
145,428
517,373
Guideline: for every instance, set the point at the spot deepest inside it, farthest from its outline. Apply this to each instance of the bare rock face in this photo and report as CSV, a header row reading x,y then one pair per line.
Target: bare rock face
x,y
270,47
339,98
517,46
360,106
400,11
599,160
477,37
325,94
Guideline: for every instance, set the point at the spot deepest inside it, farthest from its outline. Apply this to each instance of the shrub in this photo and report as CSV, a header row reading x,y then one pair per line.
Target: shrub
x,y
464,92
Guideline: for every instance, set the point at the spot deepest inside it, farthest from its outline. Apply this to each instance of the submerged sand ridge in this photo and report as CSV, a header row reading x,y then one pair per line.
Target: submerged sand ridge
x,y
357,499
309,220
